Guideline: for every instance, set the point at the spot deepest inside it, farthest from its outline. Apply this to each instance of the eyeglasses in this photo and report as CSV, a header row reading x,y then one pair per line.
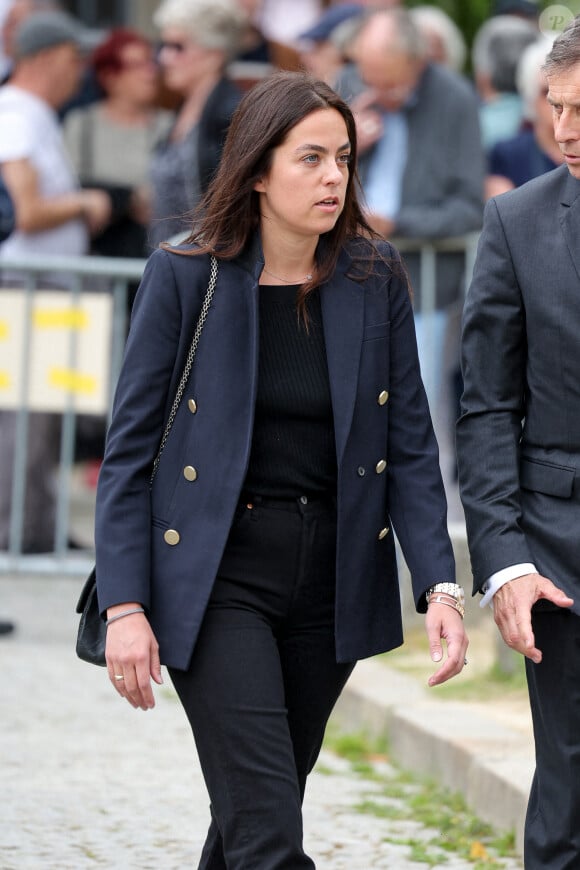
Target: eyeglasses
x,y
175,47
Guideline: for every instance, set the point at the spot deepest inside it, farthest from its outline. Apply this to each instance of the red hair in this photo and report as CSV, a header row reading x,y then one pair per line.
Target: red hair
x,y
106,57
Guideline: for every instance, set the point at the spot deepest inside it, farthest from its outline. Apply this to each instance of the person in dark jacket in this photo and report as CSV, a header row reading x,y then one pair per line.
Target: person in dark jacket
x,y
261,564
518,449
198,39
534,150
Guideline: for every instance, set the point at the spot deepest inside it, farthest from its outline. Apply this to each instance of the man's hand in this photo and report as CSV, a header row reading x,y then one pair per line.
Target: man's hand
x,y
512,608
97,209
383,226
369,122
443,622
36,212
140,205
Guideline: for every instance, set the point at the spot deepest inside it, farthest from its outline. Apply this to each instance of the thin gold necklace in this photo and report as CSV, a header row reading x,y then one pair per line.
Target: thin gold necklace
x,y
286,280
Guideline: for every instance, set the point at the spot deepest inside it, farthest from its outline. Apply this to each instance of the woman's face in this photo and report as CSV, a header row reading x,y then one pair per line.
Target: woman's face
x,y
136,81
304,191
184,62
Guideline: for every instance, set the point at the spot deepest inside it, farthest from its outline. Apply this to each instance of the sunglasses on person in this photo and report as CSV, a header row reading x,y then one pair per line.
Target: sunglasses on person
x,y
171,46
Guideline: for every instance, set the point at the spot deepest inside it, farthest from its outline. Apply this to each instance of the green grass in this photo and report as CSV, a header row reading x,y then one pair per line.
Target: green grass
x,y
451,828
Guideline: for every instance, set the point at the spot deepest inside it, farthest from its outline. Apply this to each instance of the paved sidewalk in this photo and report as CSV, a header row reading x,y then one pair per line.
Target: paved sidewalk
x,y
87,781
482,750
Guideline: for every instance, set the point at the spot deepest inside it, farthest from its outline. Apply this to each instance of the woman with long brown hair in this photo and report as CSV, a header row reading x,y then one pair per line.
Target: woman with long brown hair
x,y
260,564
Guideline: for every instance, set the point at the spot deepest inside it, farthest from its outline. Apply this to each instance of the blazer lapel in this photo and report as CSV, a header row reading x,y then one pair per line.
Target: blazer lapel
x,y
342,302
570,218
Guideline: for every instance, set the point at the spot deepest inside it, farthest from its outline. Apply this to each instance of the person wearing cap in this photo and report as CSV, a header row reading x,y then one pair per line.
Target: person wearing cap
x,y
13,15
322,48
53,216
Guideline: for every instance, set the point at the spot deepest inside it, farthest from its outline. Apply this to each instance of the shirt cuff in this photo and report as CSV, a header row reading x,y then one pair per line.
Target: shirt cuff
x,y
497,580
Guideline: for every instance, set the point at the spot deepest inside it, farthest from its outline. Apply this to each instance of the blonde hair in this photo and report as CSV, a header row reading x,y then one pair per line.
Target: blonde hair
x,y
213,24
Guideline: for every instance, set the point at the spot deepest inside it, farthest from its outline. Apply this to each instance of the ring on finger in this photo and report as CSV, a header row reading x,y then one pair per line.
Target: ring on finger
x,y
119,677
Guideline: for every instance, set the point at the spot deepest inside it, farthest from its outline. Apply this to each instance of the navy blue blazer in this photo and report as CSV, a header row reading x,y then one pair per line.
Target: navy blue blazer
x,y
163,546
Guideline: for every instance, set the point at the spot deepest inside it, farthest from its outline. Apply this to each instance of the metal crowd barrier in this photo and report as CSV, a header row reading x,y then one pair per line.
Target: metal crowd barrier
x,y
67,302
107,278
428,249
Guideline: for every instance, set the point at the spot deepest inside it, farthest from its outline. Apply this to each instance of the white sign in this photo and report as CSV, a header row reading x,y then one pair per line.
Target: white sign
x,y
55,351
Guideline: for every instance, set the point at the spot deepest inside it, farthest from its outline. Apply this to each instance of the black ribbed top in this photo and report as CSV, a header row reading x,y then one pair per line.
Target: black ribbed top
x,y
293,450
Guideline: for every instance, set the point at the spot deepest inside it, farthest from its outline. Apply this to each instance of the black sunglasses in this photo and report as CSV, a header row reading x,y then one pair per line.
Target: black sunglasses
x,y
177,47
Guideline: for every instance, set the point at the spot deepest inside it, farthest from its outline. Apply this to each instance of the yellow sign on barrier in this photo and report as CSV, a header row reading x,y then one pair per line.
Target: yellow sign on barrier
x,y
68,358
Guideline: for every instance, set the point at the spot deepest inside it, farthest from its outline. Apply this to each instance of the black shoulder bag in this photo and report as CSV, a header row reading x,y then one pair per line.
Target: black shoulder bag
x,y
92,632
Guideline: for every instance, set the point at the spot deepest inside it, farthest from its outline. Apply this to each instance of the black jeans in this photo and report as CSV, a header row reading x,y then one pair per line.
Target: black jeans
x,y
263,681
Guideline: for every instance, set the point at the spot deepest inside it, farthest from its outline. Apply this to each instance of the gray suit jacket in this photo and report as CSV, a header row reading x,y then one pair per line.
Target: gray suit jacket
x,y
442,192
518,438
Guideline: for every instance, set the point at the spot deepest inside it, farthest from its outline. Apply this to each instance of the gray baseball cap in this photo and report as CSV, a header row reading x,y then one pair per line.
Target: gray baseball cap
x,y
43,30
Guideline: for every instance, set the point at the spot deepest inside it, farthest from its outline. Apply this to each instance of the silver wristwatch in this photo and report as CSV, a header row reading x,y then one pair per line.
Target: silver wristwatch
x,y
441,593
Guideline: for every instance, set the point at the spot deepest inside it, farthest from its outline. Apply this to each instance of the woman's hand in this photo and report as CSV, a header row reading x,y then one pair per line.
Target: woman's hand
x,y
443,622
132,655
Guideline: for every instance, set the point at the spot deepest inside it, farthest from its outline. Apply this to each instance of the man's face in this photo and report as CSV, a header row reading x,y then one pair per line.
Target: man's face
x,y
564,98
392,75
64,64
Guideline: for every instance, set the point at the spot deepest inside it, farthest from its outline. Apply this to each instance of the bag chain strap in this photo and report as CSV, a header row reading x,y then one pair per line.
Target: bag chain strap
x,y
189,362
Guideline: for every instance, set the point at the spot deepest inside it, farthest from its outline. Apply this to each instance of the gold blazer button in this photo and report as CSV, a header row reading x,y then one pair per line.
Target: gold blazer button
x,y
190,473
383,396
192,405
380,466
171,537
383,533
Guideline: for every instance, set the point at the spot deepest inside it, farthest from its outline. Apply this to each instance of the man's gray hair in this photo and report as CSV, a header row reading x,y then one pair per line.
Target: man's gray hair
x,y
566,49
497,48
213,24
406,38
411,39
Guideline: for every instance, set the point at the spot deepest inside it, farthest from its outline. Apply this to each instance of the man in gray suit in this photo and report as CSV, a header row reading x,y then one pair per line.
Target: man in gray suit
x,y
423,166
518,443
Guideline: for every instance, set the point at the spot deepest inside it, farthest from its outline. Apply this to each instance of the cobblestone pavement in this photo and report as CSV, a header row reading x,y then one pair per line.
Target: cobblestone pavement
x,y
89,782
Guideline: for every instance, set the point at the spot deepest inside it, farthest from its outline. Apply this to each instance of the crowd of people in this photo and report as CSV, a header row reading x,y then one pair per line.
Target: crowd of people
x,y
136,126
289,157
